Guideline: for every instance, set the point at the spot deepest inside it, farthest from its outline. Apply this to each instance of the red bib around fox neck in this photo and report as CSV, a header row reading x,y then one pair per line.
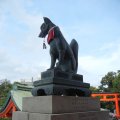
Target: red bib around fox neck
x,y
51,35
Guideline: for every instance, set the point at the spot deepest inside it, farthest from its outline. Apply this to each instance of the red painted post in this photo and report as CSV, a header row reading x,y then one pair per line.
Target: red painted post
x,y
14,109
115,99
117,106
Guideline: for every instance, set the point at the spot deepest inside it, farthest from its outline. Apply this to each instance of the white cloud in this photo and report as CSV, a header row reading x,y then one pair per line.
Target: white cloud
x,y
111,45
96,67
31,19
3,56
13,64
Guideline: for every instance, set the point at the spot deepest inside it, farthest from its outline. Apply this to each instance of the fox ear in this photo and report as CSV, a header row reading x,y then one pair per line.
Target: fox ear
x,y
47,20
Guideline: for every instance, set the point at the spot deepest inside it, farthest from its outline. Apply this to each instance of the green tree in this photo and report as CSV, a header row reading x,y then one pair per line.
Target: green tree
x,y
107,82
94,89
116,83
5,87
110,83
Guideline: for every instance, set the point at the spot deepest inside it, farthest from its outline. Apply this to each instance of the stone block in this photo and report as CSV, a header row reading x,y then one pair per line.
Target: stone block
x,y
56,89
55,73
60,104
99,115
56,82
61,81
20,115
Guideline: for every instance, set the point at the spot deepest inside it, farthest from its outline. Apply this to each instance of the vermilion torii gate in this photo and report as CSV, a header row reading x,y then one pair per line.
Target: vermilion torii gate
x,y
110,97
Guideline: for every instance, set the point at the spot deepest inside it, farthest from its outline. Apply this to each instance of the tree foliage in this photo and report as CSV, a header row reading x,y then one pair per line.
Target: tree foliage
x,y
110,82
116,83
94,89
107,82
5,87
5,118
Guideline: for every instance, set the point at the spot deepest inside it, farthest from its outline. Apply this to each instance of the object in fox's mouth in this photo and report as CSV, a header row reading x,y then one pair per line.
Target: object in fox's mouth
x,y
44,45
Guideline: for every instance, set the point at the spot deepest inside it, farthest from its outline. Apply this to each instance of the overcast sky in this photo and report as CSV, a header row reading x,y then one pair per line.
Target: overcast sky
x,y
95,24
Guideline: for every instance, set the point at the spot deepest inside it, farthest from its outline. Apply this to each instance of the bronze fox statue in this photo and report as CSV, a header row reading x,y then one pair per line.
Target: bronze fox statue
x,y
67,55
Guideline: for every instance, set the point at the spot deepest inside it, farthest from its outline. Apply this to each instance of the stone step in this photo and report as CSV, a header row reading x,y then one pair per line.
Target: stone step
x,y
92,115
61,81
60,104
60,74
56,89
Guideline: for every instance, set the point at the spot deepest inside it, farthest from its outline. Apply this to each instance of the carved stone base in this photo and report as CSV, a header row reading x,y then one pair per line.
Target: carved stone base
x,y
55,82
56,89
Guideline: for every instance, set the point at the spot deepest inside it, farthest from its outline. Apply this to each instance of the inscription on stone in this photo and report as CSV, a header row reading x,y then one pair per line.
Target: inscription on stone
x,y
78,104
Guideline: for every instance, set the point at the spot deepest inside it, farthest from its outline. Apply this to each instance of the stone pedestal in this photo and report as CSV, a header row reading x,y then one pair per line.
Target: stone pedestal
x,y
56,82
60,96
60,108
